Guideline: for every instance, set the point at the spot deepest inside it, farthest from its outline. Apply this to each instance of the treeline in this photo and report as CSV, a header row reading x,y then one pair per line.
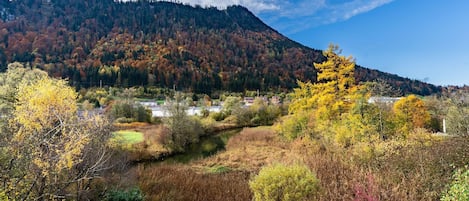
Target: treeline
x,y
158,44
405,85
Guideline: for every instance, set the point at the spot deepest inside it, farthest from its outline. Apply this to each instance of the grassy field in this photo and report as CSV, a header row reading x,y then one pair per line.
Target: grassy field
x,y
128,137
141,141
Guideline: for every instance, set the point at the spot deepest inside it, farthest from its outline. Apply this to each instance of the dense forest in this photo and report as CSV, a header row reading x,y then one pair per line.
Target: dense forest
x,y
163,44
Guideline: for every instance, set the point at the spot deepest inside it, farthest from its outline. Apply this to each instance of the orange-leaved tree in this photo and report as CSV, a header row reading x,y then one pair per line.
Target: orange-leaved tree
x,y
410,112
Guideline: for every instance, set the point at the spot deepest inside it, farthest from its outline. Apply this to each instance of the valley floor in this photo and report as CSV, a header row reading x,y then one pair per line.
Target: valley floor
x,y
411,172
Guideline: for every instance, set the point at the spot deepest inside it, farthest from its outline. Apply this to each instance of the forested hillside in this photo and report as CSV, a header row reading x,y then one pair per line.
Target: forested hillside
x,y
161,44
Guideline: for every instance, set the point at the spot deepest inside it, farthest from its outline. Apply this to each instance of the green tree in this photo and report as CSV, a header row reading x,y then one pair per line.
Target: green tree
x,y
231,104
457,115
280,182
458,120
183,130
125,112
126,109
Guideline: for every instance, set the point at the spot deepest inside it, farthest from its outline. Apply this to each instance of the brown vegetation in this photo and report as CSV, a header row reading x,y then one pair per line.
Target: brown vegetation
x,y
407,172
171,182
418,169
250,150
152,147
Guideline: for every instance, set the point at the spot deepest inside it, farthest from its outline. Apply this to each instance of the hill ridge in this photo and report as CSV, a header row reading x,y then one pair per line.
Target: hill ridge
x,y
161,44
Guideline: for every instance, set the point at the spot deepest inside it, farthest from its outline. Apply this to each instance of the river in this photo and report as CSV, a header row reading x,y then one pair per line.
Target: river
x,y
207,146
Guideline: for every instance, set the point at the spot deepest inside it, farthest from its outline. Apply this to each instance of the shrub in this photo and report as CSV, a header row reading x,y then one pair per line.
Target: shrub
x,y
231,104
182,132
458,120
204,112
133,194
293,126
218,169
459,187
3,196
128,112
280,182
243,116
217,116
124,120
208,124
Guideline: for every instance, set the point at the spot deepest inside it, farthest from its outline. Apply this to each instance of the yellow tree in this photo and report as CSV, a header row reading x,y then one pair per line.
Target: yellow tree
x,y
328,99
410,113
9,82
336,84
302,98
331,95
52,146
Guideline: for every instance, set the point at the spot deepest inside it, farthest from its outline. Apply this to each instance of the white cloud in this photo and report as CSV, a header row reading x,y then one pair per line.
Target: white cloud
x,y
360,6
295,15
298,15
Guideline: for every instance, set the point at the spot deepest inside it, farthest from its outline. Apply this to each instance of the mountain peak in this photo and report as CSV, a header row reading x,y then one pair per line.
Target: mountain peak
x,y
158,44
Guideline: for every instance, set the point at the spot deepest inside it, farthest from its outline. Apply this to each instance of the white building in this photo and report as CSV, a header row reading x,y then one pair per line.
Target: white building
x,y
383,99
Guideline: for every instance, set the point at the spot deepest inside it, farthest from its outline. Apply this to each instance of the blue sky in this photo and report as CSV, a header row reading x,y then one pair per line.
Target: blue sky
x,y
425,40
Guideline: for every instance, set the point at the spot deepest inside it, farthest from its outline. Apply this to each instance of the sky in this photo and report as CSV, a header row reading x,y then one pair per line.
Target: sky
x,y
427,40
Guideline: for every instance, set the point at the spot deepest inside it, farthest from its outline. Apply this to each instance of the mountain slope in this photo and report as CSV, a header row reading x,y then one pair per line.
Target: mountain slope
x,y
159,44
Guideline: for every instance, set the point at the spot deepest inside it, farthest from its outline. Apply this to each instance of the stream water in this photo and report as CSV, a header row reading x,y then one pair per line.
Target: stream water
x,y
207,146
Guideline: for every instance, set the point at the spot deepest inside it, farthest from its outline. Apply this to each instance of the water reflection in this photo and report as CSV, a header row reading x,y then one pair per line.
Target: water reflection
x,y
207,146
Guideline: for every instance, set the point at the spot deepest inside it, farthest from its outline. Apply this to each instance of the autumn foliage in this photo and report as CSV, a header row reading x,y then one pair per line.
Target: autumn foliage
x,y
153,43
52,149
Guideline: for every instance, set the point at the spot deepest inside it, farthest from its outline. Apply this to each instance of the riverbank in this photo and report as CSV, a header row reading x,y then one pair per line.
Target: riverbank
x,y
153,149
222,176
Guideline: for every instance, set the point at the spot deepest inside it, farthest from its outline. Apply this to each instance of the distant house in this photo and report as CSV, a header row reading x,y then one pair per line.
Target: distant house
x,y
383,100
248,101
148,103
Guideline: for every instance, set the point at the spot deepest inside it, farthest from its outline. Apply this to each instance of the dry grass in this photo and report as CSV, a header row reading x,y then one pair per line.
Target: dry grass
x,y
250,150
416,172
246,153
422,172
130,126
419,171
151,147
172,183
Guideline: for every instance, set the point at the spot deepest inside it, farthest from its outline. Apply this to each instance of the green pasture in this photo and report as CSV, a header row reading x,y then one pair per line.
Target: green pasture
x,y
127,137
